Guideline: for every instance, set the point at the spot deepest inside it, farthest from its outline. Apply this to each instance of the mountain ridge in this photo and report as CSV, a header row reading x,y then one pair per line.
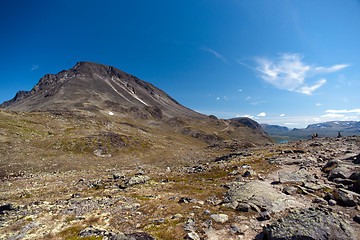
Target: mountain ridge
x,y
93,86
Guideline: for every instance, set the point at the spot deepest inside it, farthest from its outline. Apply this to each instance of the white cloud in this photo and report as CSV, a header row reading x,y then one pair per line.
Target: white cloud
x,y
286,72
240,90
309,90
246,115
332,115
34,67
248,98
289,72
318,104
282,115
216,54
356,111
333,68
262,114
217,99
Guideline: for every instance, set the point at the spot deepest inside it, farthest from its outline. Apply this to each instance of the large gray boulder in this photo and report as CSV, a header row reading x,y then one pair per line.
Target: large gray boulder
x,y
309,224
260,195
297,177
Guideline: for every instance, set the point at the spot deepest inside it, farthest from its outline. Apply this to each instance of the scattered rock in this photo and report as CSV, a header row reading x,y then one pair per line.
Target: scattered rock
x,y
264,216
190,225
140,179
332,202
316,224
242,207
187,200
356,219
192,236
220,218
8,207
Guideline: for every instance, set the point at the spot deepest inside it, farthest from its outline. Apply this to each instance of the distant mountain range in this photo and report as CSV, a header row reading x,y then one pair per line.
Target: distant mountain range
x,y
326,129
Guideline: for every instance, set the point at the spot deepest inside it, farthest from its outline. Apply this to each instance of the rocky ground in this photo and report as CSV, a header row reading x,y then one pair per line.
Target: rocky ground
x,y
300,190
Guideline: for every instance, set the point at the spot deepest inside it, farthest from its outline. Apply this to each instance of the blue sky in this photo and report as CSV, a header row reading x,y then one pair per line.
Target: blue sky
x,y
282,62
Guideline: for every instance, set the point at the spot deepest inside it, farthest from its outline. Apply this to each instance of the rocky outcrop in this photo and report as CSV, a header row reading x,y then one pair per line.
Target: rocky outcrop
x,y
312,224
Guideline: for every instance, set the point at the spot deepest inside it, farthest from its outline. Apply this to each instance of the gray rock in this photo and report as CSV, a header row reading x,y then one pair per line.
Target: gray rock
x,y
190,225
290,190
298,177
340,171
312,224
345,198
260,194
356,218
238,229
243,207
264,215
8,207
140,179
187,200
137,236
332,202
192,236
249,173
330,165
220,218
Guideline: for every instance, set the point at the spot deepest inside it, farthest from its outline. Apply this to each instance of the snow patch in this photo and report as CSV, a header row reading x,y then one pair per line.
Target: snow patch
x,y
111,113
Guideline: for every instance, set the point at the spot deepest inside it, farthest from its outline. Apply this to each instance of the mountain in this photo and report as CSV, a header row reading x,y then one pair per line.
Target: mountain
x,y
325,129
96,116
97,88
274,129
251,124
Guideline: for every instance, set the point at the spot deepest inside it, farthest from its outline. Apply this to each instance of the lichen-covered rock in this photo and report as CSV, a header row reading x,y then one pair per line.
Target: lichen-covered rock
x,y
139,179
311,224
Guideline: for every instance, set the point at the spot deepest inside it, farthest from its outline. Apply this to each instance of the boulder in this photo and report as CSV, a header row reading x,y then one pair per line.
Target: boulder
x,y
259,194
192,236
139,179
311,224
297,177
340,171
219,218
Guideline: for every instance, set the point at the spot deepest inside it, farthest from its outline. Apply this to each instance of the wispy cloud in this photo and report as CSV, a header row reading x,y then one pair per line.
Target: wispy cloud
x,y
356,111
332,68
215,53
262,114
309,90
318,104
289,72
282,115
34,67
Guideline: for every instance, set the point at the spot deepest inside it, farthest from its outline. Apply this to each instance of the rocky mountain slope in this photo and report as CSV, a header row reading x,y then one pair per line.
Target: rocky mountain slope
x,y
96,88
301,190
251,124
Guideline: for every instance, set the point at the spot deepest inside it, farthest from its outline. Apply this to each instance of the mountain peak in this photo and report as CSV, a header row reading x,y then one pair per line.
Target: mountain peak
x,y
96,87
